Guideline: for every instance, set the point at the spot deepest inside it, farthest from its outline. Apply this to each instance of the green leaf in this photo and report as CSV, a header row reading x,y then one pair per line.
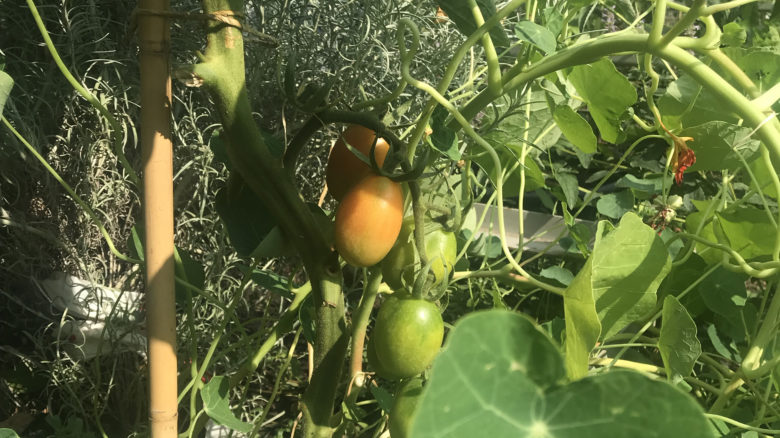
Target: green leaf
x,y
724,292
559,274
244,214
678,344
570,188
216,403
717,143
647,185
582,322
6,83
628,266
444,138
748,230
534,178
608,94
460,14
617,286
575,128
7,433
615,205
498,375
733,35
762,173
537,35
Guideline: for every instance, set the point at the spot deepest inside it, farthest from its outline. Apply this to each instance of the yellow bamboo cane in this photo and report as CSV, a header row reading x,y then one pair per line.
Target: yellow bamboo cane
x,y
154,43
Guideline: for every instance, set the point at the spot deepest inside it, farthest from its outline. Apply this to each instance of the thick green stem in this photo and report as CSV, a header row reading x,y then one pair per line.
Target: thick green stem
x,y
222,71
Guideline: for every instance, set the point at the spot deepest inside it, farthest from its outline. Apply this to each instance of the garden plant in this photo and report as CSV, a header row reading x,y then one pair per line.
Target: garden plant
x,y
337,271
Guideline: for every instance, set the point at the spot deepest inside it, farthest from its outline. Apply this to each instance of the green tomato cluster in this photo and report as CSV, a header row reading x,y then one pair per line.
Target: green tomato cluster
x,y
406,338
401,262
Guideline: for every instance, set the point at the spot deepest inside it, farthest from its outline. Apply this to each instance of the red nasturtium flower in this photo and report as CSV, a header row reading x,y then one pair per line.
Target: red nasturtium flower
x,y
683,157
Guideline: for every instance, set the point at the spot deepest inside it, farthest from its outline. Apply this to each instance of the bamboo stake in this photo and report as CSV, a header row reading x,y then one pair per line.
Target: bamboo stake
x,y
154,43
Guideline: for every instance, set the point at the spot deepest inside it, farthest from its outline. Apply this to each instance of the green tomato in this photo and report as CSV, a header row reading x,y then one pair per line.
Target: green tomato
x,y
407,336
404,407
401,262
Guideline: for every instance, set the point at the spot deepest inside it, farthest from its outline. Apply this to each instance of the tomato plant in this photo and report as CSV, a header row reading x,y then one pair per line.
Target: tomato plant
x,y
401,262
368,220
344,169
407,335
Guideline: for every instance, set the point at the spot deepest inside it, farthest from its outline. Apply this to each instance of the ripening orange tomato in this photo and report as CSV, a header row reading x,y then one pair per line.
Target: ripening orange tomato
x,y
368,220
344,168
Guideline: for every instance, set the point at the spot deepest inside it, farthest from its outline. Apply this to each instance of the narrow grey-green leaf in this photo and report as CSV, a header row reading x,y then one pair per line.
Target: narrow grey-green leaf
x,y
615,205
6,83
216,403
537,35
607,92
575,128
678,344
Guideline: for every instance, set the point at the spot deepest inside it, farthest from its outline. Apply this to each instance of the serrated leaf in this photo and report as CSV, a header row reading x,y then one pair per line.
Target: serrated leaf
x,y
537,35
216,403
500,376
575,128
607,92
6,83
678,344
615,205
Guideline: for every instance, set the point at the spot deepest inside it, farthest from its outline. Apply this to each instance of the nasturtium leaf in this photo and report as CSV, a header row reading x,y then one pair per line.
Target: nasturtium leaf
x,y
615,205
761,65
6,83
7,433
724,291
557,273
537,35
216,403
763,174
500,376
733,34
717,144
618,284
460,13
678,344
575,128
608,94
443,138
748,230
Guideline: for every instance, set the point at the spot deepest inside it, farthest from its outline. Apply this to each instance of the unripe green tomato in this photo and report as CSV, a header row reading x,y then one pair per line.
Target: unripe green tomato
x,y
373,362
404,406
401,262
407,336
